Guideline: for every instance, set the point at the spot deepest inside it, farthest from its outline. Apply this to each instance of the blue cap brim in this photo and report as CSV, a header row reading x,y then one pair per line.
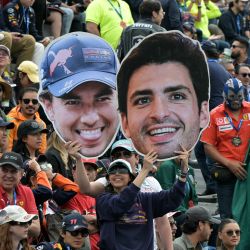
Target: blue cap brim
x,y
69,83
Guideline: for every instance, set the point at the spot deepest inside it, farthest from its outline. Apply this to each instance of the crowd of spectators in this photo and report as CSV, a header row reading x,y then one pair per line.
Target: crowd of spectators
x,y
41,190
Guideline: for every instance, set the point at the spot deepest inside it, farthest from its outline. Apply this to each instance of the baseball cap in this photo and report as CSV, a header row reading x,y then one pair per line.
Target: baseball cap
x,y
13,159
8,125
3,47
31,69
124,143
77,58
6,88
91,161
209,47
73,222
30,127
122,163
199,213
15,213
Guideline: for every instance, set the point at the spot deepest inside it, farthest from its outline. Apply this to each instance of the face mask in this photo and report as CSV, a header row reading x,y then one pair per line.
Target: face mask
x,y
234,94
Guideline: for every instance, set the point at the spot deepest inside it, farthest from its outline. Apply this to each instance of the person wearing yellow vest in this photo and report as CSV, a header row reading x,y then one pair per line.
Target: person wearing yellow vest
x,y
107,19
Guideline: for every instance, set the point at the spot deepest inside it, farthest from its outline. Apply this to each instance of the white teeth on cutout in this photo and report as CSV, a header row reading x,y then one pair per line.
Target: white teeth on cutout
x,y
160,131
91,134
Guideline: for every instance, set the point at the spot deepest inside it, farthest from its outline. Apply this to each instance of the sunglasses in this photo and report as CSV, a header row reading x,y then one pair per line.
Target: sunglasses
x,y
230,233
21,224
245,74
236,46
118,170
83,233
27,101
119,154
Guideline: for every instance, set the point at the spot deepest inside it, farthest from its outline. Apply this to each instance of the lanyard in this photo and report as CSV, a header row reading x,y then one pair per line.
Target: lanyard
x,y
231,122
14,199
119,13
26,19
238,24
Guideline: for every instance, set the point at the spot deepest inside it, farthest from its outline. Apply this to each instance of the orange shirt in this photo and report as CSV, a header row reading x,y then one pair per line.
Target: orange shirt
x,y
220,132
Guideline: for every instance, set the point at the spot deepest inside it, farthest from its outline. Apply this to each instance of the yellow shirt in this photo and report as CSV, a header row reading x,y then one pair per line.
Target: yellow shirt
x,y
203,23
110,16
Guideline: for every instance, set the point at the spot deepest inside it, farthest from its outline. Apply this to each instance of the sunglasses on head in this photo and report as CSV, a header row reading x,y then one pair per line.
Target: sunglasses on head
x,y
83,233
22,224
245,74
27,101
120,154
119,170
230,233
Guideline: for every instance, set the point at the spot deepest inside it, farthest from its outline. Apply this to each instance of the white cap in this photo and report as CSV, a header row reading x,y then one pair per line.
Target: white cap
x,y
15,213
120,162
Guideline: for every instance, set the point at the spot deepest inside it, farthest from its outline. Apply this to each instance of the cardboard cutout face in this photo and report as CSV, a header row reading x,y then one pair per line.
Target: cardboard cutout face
x,y
78,91
163,91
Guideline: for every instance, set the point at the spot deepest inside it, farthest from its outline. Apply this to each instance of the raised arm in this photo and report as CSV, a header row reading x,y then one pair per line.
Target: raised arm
x,y
86,187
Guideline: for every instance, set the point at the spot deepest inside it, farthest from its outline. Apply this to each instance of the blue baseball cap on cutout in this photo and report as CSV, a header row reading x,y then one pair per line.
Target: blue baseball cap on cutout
x,y
77,58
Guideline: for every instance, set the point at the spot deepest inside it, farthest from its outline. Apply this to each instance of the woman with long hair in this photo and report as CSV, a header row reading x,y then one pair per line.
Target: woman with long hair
x,y
125,214
228,235
58,156
29,135
14,226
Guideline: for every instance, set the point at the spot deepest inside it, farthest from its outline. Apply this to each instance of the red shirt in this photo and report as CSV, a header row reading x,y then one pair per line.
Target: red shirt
x,y
23,197
84,204
220,132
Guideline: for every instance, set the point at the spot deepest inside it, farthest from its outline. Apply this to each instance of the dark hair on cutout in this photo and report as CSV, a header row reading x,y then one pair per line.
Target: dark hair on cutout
x,y
148,6
163,48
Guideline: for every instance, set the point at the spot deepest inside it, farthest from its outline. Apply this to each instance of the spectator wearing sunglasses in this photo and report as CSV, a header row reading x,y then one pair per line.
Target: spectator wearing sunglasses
x,y
242,72
124,150
74,232
125,214
228,235
27,109
14,225
239,49
196,229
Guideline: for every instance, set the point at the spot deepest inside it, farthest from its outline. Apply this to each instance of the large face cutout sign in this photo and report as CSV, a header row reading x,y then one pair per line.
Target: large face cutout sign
x,y
163,93
78,91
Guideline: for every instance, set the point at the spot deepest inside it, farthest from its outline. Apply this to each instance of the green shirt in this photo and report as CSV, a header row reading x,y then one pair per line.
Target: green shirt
x,y
167,175
110,15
